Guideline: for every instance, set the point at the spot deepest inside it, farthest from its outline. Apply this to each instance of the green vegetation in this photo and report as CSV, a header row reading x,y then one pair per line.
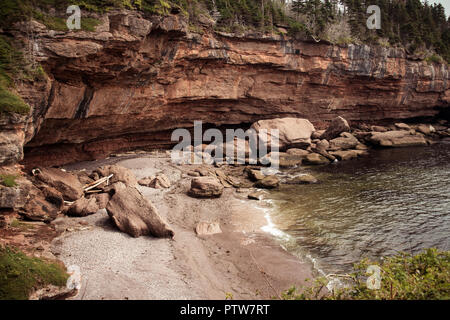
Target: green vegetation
x,y
11,64
21,225
425,276
8,180
20,274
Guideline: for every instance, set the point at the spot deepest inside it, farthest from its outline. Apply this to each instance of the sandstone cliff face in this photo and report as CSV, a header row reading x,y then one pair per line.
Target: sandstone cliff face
x,y
134,80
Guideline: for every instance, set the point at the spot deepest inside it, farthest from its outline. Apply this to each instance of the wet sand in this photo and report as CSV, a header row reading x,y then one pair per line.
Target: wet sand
x,y
242,262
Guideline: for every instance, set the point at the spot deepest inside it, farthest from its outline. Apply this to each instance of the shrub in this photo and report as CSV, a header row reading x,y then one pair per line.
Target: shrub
x,y
425,276
8,180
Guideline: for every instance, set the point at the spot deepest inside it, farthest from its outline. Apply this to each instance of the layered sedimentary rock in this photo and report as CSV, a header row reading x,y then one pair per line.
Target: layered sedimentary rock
x,y
135,79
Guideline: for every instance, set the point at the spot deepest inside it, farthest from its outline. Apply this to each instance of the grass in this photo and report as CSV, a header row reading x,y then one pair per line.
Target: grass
x,y
20,274
8,180
12,103
425,276
20,225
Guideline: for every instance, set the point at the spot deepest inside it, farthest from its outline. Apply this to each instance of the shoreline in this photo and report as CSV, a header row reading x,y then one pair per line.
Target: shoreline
x,y
243,262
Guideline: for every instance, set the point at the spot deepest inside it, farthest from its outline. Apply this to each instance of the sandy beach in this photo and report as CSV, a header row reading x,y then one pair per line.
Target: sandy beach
x,y
243,262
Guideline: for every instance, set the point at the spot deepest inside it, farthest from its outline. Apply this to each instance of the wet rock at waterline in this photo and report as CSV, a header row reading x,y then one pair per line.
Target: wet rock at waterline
x,y
206,187
269,182
397,139
293,132
257,195
315,159
303,179
132,213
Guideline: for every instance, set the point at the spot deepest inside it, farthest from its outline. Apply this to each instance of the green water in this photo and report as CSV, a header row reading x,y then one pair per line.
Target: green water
x,y
393,200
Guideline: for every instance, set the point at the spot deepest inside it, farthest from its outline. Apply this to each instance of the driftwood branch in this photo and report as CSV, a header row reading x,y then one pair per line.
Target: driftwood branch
x,y
95,184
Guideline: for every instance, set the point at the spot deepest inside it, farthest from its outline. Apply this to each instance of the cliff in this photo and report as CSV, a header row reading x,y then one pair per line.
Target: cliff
x,y
132,81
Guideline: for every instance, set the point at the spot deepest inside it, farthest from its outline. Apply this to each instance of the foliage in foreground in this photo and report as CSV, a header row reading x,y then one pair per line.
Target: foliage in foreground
x,y
8,180
425,276
20,274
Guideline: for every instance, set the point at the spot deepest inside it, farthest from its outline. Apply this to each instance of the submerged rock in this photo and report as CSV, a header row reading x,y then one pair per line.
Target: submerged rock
x,y
132,213
303,179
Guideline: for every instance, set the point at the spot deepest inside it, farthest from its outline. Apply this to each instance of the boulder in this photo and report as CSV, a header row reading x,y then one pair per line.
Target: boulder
x,y
223,178
346,141
254,175
83,207
120,174
206,187
425,129
269,182
66,183
317,134
207,229
293,132
397,139
303,179
102,200
158,182
315,159
337,126
402,126
132,213
324,153
289,160
37,208
379,129
344,155
323,145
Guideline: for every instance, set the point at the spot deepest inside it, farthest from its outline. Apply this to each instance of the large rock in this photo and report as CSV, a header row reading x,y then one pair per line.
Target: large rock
x,y
254,175
66,183
293,132
397,139
83,207
120,174
426,129
337,126
344,142
38,208
206,187
132,213
269,182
